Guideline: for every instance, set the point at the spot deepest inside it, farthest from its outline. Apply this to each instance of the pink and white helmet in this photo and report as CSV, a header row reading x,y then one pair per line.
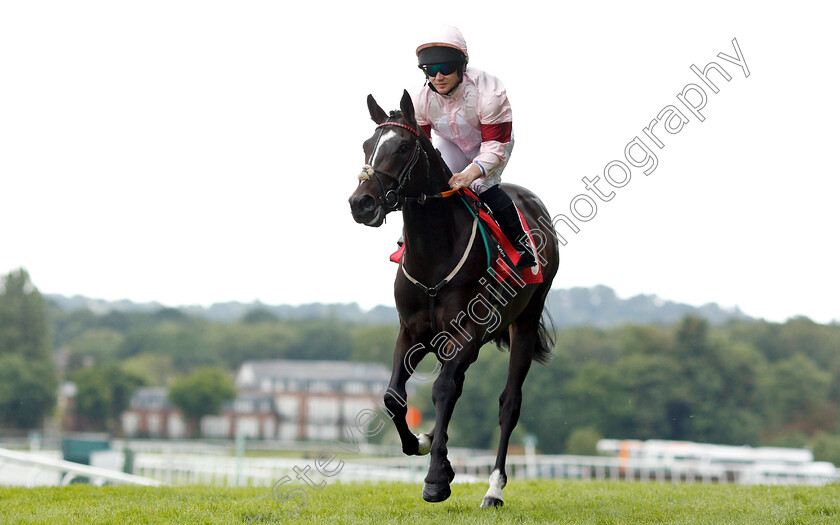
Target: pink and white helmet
x,y
437,48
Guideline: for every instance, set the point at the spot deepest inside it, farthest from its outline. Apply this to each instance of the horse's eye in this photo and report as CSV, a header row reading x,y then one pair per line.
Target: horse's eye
x,y
404,148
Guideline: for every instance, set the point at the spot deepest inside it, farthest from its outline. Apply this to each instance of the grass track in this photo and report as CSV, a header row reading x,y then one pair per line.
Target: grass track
x,y
382,503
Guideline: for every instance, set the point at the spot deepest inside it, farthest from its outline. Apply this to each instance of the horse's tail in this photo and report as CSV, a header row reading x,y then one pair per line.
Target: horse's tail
x,y
545,339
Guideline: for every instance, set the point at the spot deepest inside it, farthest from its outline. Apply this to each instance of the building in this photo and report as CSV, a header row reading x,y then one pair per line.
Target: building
x,y
253,415
150,414
315,400
276,399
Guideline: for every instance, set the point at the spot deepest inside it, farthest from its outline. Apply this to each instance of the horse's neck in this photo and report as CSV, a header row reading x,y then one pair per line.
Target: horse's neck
x,y
434,231
436,235
430,227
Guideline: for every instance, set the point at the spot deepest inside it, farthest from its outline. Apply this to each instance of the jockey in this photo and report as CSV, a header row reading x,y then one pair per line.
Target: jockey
x,y
470,113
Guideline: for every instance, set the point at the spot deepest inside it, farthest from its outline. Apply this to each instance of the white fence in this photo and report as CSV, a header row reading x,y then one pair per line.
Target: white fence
x,y
230,471
615,469
32,469
212,467
182,469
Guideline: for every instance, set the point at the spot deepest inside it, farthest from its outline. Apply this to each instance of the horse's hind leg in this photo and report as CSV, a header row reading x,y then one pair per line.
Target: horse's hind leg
x,y
523,342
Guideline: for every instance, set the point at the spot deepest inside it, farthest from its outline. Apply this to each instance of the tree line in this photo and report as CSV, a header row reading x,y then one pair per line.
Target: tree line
x,y
752,383
743,382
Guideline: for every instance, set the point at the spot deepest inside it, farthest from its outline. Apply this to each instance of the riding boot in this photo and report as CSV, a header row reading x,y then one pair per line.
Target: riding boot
x,y
506,215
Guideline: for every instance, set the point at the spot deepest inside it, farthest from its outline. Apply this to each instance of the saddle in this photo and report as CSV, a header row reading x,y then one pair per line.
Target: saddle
x,y
501,255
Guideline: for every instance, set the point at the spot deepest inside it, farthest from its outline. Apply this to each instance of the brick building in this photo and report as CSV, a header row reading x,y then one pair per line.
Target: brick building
x,y
276,399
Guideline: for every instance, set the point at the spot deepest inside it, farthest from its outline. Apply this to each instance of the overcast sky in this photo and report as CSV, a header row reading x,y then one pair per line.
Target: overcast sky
x,y
191,152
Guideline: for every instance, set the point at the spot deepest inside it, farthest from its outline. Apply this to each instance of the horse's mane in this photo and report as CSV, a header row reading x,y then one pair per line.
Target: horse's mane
x,y
396,114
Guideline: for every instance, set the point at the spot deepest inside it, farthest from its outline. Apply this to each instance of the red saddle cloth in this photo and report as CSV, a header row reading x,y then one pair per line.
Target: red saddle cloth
x,y
531,275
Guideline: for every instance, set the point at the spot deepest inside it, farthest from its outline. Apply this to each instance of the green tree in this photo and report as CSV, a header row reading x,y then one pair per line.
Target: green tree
x,y
826,447
734,413
326,339
27,390
374,343
583,344
188,342
259,315
547,411
201,393
650,340
583,442
588,396
96,346
23,318
28,379
651,398
155,370
796,390
721,376
240,342
103,393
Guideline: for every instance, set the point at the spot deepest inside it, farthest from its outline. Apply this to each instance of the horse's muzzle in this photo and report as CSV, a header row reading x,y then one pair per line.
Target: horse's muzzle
x,y
366,210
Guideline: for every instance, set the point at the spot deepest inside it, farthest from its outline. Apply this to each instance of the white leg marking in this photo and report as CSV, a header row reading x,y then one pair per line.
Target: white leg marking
x,y
496,485
424,444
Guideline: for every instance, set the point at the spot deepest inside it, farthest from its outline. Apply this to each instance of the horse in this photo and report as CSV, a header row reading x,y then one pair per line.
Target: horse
x,y
447,303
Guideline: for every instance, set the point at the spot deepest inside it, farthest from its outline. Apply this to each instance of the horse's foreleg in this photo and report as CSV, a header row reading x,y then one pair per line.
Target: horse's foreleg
x,y
445,392
405,362
521,352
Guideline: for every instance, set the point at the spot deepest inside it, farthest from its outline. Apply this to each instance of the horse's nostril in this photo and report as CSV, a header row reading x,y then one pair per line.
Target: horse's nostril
x,y
364,203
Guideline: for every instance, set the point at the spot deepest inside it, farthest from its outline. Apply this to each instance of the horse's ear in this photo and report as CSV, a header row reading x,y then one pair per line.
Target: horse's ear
x,y
376,113
407,106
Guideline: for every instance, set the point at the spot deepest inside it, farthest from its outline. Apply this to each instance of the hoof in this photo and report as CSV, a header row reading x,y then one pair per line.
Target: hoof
x,y
436,492
489,502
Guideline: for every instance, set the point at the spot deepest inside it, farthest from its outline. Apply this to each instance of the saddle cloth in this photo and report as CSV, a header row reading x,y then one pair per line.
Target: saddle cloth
x,y
496,243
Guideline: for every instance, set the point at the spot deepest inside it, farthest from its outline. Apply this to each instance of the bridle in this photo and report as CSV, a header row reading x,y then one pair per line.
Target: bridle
x,y
393,199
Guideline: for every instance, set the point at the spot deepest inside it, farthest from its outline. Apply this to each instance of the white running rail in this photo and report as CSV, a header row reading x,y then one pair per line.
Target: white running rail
x,y
66,470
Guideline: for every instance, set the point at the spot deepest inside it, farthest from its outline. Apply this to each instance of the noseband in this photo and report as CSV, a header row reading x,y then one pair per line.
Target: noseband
x,y
390,199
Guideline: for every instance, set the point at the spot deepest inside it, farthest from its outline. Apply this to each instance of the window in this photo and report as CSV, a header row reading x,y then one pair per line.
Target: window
x,y
288,407
153,421
249,427
319,387
321,410
355,387
241,406
215,426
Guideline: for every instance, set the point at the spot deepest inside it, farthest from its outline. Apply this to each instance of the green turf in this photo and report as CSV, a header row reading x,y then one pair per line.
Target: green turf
x,y
381,503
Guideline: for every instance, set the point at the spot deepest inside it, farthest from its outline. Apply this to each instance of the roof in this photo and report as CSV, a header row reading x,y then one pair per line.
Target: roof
x,y
253,372
150,397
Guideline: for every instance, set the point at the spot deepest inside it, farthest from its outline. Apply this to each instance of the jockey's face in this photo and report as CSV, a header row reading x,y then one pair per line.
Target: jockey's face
x,y
444,83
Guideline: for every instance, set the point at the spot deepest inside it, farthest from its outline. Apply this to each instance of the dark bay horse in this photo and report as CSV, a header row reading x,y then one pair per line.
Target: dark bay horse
x,y
448,303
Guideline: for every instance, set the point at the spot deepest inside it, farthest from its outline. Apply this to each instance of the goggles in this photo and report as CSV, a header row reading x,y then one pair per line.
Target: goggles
x,y
432,70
